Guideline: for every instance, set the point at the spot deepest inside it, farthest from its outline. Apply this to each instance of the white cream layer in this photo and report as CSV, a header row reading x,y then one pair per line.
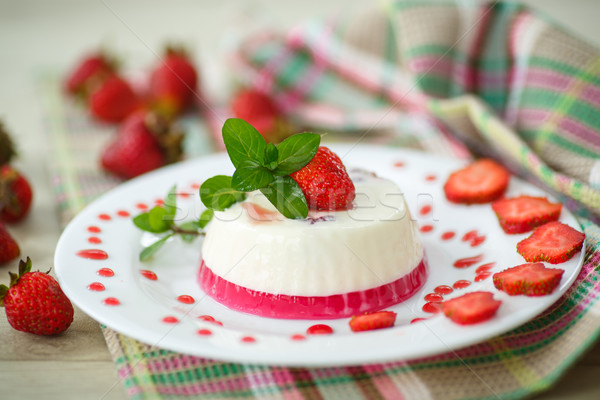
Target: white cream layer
x,y
328,253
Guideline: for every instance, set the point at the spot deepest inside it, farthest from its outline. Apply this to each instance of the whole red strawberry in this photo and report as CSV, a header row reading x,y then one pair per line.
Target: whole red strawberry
x,y
259,110
9,248
325,182
15,195
145,142
94,67
173,84
113,100
35,303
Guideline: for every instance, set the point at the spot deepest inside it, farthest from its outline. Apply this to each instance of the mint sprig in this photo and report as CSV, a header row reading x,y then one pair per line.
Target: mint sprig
x,y
160,220
261,166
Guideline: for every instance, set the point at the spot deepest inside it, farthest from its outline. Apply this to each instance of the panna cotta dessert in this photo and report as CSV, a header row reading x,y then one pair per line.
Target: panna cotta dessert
x,y
331,264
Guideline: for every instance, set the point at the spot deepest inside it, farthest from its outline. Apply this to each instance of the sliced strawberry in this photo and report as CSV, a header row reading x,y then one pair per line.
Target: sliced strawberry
x,y
372,320
553,242
113,100
528,279
471,308
522,214
9,248
325,182
480,182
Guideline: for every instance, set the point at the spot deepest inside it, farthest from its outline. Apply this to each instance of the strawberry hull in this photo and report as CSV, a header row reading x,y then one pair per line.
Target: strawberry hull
x,y
341,305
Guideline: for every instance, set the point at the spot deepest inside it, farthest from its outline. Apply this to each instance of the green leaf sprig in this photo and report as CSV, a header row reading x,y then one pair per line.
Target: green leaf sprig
x,y
261,166
160,220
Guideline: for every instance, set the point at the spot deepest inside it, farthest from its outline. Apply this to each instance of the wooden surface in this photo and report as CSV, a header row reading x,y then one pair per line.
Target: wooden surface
x,y
36,36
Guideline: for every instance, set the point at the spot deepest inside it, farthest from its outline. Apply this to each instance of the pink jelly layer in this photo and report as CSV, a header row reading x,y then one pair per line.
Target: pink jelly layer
x,y
344,305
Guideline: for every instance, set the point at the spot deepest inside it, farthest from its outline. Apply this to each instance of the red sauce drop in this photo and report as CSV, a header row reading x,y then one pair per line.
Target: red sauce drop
x,y
469,235
217,322
104,217
432,307
148,274
468,261
93,254
399,164
204,332
298,337
183,195
123,213
319,329
485,267
443,289
426,209
448,235
482,276
96,287
476,241
106,272
248,339
426,228
206,318
159,202
111,301
461,284
430,178
141,206
170,319
94,229
433,297
195,185
414,321
94,240
185,299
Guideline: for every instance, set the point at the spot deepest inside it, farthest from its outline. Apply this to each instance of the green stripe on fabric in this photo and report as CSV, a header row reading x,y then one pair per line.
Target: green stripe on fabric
x,y
530,136
566,69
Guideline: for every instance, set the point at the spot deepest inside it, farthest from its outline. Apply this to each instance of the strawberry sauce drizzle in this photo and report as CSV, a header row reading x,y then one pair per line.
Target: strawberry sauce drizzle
x,y
111,301
485,267
148,274
94,229
448,235
298,337
248,339
426,228
480,277
186,299
96,287
426,209
433,297
468,261
414,321
94,240
104,217
106,272
432,307
93,254
443,289
170,320
461,284
204,332
319,329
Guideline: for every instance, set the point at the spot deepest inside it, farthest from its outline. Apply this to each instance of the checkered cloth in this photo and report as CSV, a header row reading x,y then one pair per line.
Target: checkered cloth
x,y
495,80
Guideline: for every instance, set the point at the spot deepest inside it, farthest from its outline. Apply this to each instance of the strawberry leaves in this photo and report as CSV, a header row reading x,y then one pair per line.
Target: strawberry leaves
x,y
261,166
160,220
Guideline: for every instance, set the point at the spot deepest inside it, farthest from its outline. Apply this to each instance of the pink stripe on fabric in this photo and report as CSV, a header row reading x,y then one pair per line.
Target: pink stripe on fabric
x,y
586,135
432,64
557,82
384,384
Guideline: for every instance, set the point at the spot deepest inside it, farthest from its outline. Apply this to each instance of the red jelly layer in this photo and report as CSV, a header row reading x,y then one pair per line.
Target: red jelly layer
x,y
345,305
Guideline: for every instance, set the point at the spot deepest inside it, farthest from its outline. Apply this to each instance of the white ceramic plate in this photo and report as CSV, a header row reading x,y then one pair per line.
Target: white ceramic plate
x,y
151,310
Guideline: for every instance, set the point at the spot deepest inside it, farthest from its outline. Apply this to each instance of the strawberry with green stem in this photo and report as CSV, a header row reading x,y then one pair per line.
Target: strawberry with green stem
x,y
35,303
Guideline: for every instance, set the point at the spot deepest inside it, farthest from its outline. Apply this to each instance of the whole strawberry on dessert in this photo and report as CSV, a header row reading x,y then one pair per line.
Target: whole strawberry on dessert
x,y
15,195
260,111
145,142
553,242
173,83
480,182
531,279
35,303
9,248
325,182
113,99
88,72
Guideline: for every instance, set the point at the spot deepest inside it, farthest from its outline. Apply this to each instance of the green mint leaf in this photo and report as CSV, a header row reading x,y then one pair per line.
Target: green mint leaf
x,y
271,157
205,218
153,248
159,220
250,175
296,151
218,194
243,142
285,194
170,203
190,226
142,221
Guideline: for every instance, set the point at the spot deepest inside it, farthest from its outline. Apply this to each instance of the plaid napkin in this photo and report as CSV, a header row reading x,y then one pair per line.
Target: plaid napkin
x,y
496,80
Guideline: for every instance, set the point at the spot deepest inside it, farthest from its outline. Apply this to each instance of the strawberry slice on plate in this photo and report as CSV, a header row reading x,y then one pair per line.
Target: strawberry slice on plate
x,y
531,279
553,242
479,182
372,320
471,308
523,213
